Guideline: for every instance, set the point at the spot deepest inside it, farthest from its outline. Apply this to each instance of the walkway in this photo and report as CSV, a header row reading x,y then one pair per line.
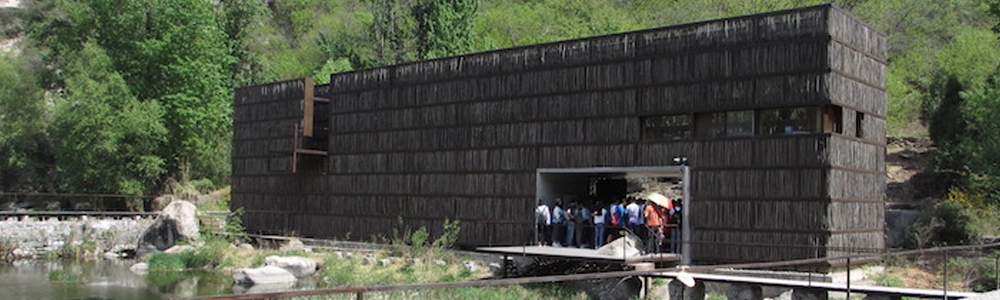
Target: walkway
x,y
835,287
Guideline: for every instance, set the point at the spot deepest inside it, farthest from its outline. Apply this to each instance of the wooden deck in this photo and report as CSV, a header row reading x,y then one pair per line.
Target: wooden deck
x,y
577,254
835,287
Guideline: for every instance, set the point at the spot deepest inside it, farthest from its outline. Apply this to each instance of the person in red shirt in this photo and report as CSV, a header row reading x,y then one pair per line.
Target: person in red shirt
x,y
654,215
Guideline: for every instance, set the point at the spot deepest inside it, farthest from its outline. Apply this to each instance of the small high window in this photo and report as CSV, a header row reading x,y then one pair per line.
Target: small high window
x,y
800,120
669,127
859,123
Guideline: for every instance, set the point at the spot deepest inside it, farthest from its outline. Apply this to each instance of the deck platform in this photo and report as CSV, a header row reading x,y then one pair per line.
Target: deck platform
x,y
577,254
835,287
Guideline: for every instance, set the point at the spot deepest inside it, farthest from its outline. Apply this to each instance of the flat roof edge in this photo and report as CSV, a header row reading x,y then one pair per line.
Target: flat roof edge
x,y
636,169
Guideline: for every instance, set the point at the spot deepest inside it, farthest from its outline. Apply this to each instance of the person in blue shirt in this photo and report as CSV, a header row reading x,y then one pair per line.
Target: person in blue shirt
x,y
557,223
582,216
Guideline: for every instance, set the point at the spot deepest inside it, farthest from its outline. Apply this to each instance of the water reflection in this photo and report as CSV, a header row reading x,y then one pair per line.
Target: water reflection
x,y
103,279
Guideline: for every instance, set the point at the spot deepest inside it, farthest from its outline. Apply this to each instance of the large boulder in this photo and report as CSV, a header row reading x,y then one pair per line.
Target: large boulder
x,y
627,246
266,275
176,222
297,265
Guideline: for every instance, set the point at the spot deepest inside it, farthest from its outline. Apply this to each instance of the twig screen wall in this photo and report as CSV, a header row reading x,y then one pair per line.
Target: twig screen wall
x,y
461,137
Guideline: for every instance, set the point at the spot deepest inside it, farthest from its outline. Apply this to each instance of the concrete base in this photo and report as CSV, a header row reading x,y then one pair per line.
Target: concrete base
x,y
881,297
744,292
809,294
679,291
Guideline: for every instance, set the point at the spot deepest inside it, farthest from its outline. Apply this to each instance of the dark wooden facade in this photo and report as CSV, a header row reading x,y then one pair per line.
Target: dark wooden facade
x,y
462,137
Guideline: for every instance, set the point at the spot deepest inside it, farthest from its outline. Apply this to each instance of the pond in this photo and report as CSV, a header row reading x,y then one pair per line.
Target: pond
x,y
108,279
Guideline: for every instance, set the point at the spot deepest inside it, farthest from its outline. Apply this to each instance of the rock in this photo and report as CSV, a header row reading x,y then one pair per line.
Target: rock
x,y
626,246
439,262
265,275
177,222
369,259
161,202
413,261
111,255
339,255
296,265
495,268
245,247
139,268
786,295
178,249
469,265
899,226
385,262
292,245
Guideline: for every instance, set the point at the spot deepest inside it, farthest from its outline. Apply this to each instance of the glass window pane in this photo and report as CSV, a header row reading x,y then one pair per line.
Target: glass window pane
x,y
739,123
711,125
801,120
669,127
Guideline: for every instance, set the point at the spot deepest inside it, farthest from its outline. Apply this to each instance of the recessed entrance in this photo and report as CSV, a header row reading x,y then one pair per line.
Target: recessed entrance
x,y
598,187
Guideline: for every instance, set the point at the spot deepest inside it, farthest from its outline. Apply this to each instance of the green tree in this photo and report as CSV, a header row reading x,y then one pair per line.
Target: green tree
x,y
240,20
105,139
23,145
444,27
391,29
173,51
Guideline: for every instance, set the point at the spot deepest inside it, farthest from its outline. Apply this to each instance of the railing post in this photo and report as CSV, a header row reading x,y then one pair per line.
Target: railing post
x,y
361,295
848,278
945,286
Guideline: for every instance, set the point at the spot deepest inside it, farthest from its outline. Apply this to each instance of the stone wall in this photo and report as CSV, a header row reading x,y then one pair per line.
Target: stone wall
x,y
40,237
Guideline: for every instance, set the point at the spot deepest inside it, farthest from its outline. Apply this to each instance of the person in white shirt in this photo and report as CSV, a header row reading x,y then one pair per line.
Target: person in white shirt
x,y
543,223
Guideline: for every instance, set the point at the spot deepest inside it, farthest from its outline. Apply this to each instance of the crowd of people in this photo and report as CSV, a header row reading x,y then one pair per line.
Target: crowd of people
x,y
592,224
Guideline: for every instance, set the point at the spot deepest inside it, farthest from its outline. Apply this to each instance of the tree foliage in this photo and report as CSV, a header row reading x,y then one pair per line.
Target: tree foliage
x,y
105,139
444,27
23,147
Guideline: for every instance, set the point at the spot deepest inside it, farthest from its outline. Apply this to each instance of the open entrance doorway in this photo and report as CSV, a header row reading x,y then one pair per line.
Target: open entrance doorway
x,y
599,187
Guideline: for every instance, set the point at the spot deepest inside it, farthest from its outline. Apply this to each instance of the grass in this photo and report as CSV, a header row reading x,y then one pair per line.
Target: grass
x,y
63,276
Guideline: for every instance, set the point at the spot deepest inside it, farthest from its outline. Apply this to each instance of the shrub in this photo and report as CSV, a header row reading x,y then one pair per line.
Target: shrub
x,y
945,223
7,250
180,261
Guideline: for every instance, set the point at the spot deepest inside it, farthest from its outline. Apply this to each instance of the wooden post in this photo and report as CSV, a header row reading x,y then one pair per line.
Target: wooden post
x,y
307,107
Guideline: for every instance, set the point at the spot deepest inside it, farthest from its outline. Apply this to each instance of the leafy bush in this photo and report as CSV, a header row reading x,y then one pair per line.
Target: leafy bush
x,y
7,250
450,235
944,223
179,261
418,241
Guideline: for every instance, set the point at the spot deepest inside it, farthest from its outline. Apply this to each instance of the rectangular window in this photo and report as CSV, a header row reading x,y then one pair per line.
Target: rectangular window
x,y
725,124
801,120
711,125
669,127
739,123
